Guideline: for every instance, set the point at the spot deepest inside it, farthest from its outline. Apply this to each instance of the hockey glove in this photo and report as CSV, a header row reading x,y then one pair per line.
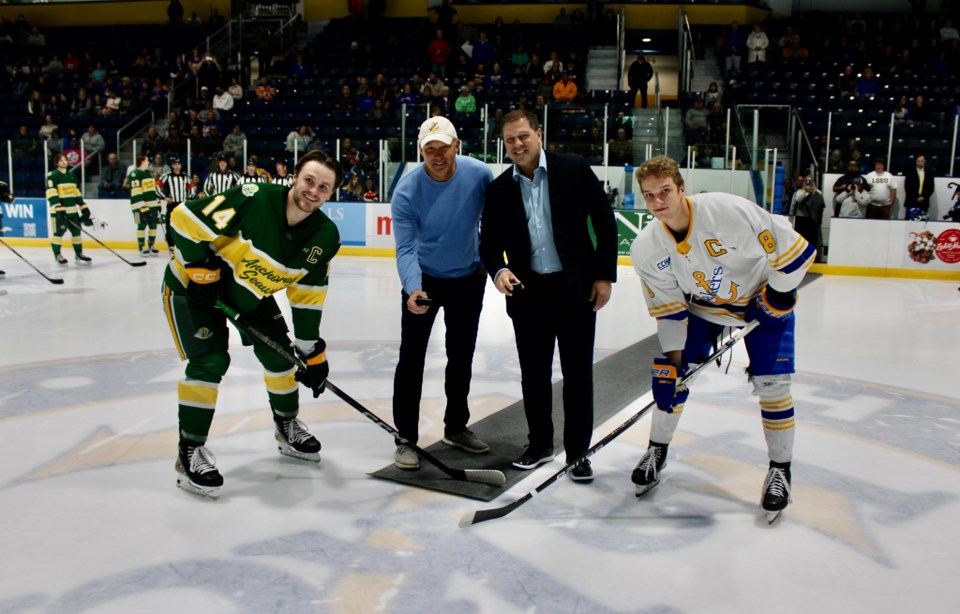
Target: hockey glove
x,y
666,376
85,218
204,281
770,307
315,377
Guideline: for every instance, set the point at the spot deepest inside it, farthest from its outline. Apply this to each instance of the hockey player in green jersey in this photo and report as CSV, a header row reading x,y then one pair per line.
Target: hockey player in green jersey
x,y
242,246
67,209
145,205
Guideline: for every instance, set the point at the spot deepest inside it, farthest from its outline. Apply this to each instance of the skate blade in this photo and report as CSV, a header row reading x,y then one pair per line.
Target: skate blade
x,y
286,450
211,492
772,517
642,490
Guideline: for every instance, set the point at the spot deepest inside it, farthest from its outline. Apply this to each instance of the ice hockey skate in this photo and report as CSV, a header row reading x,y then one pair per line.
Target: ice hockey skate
x,y
82,258
776,491
295,440
197,471
60,259
646,474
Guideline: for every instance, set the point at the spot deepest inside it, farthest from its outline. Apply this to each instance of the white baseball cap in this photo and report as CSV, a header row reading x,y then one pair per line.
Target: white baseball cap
x,y
437,129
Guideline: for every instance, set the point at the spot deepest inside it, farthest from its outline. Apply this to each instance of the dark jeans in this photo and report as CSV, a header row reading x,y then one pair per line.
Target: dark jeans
x,y
461,300
544,315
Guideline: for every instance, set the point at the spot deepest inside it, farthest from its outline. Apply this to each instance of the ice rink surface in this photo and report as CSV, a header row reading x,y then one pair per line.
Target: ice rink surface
x,y
91,520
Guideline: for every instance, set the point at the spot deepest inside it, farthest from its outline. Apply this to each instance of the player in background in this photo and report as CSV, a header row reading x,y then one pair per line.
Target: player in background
x,y
718,260
145,205
242,246
221,178
6,196
67,209
174,188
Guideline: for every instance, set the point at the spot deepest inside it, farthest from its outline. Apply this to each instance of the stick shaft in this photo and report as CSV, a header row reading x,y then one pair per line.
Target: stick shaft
x,y
53,280
104,245
490,514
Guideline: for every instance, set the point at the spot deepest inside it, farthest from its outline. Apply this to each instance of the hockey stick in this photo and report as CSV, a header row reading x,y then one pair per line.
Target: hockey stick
x,y
484,476
53,280
104,245
499,512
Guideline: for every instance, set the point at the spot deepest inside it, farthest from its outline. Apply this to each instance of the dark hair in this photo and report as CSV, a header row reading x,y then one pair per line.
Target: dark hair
x,y
519,114
323,159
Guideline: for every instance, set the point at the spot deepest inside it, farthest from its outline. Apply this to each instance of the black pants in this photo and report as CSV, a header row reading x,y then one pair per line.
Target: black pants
x,y
544,315
461,300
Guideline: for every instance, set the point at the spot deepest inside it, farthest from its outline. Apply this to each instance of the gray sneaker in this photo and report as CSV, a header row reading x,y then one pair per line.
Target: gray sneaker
x,y
406,458
466,441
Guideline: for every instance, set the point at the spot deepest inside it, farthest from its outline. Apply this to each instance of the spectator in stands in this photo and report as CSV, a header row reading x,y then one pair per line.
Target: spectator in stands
x,y
550,63
265,89
298,140
92,140
483,49
717,122
496,78
222,101
757,43
621,148
464,69
351,160
868,85
36,106
519,60
446,103
406,97
439,51
111,103
565,90
152,142
370,193
883,191
904,66
98,74
379,116
696,122
789,43
54,67
235,89
111,178
534,67
233,142
638,79
835,162
158,166
949,33
36,38
24,143
298,66
733,44
900,111
466,103
48,128
173,142
847,83
353,191
712,95
432,87
366,101
479,79
346,101
919,112
731,95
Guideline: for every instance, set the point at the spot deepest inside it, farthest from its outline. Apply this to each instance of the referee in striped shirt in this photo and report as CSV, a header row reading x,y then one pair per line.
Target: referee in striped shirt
x,y
174,188
220,178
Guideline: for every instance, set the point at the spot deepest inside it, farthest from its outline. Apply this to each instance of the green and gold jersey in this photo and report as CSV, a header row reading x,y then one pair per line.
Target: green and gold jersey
x,y
143,189
63,193
247,228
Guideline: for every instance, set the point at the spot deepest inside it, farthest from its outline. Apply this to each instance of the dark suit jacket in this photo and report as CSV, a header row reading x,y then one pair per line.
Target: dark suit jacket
x,y
911,184
575,195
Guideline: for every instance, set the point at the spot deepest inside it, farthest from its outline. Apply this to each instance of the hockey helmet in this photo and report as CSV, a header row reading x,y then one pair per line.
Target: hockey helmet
x,y
917,214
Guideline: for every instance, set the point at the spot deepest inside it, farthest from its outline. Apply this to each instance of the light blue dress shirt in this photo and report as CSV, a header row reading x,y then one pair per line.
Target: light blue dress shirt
x,y
536,204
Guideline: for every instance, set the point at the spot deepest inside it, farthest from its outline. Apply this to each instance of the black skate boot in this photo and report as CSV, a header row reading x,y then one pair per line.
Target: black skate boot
x,y
81,257
60,259
776,490
197,470
646,474
295,440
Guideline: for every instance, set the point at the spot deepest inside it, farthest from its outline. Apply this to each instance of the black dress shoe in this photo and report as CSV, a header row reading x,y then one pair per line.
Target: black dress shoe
x,y
583,472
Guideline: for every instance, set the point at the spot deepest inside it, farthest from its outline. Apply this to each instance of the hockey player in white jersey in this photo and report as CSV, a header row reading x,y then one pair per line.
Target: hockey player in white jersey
x,y
717,260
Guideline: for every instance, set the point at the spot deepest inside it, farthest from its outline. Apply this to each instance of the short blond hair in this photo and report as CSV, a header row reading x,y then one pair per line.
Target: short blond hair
x,y
659,166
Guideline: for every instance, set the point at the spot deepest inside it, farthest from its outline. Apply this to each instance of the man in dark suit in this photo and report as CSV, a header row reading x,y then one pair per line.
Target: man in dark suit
x,y
536,214
918,185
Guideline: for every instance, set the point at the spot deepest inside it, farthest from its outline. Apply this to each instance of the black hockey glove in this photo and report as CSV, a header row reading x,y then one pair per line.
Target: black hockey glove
x,y
204,283
315,377
85,218
770,307
666,376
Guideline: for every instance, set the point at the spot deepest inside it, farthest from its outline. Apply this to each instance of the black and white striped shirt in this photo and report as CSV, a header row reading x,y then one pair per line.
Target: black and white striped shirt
x,y
287,180
257,178
218,182
176,187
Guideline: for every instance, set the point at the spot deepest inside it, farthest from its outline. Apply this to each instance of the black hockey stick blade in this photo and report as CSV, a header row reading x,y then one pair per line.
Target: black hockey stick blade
x,y
499,512
482,476
106,247
53,280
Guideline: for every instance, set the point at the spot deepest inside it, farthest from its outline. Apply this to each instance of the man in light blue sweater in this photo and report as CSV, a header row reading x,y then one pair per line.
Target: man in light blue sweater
x,y
436,214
